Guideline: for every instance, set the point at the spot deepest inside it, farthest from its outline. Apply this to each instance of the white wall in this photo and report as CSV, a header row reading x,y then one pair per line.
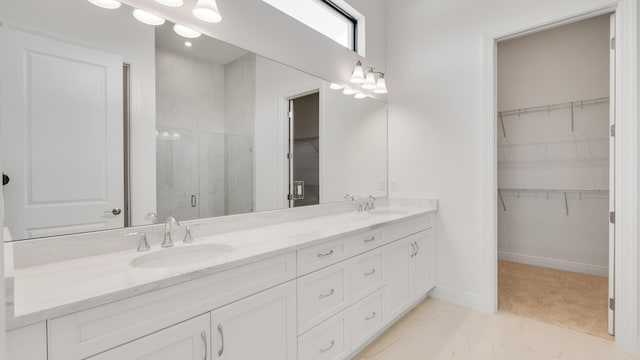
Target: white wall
x,y
256,26
118,33
436,61
540,151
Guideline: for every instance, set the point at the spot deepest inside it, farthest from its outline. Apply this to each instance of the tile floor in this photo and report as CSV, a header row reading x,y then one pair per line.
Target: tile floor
x,y
437,330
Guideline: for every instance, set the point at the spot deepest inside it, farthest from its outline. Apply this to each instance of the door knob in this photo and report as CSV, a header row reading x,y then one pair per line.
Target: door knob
x,y
5,179
115,211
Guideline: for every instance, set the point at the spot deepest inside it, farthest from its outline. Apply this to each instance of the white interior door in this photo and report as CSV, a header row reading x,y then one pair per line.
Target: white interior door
x,y
612,166
61,111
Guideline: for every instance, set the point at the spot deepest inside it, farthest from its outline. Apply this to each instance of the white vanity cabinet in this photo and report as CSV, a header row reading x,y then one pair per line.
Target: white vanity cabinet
x,y
188,340
28,343
258,327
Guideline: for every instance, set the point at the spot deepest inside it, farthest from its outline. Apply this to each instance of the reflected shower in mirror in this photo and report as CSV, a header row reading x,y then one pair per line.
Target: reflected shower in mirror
x,y
107,120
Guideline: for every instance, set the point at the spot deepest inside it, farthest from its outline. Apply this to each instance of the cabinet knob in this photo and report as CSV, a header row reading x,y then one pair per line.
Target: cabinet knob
x,y
5,179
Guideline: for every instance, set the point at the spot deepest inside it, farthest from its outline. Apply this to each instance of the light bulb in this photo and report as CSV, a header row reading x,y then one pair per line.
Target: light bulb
x,y
106,4
348,91
370,81
381,88
335,86
357,77
147,18
188,44
360,96
207,10
172,3
185,31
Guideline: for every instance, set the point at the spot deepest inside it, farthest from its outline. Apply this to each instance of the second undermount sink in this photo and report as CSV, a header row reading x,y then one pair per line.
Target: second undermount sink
x,y
180,256
387,212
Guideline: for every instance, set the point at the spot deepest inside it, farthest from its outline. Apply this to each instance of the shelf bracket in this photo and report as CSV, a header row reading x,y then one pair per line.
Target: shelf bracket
x,y
566,204
504,207
504,131
572,118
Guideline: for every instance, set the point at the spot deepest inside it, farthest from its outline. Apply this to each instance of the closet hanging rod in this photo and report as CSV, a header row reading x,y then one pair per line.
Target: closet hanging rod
x,y
542,108
570,191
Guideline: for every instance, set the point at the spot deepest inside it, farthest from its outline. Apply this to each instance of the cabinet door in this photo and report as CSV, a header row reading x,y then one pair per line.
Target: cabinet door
x,y
397,268
419,276
262,326
185,341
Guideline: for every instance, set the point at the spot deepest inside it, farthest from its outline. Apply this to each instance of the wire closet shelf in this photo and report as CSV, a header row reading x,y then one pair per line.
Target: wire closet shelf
x,y
564,194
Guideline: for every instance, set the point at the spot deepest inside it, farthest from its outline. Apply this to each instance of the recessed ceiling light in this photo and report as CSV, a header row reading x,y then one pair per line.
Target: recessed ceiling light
x,y
147,18
172,3
207,10
106,4
185,31
188,44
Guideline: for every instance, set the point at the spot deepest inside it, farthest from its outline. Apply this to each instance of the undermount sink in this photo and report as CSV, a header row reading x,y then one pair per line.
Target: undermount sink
x,y
387,212
180,256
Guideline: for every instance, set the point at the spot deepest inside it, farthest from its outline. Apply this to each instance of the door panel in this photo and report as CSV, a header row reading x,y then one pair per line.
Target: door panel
x,y
612,168
419,272
397,267
304,150
51,92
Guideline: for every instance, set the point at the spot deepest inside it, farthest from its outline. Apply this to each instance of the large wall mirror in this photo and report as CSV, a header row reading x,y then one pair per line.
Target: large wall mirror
x,y
106,120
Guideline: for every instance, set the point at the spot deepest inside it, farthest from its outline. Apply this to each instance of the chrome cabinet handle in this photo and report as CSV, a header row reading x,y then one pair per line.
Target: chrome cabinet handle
x,y
413,249
203,335
321,255
324,350
370,239
373,271
373,315
322,296
417,248
221,351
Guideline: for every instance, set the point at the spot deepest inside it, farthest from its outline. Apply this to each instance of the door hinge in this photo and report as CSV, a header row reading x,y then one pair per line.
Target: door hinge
x,y
612,304
612,217
613,130
289,156
613,43
290,115
289,197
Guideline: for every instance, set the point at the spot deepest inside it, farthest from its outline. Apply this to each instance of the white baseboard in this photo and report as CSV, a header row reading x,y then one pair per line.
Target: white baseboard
x,y
555,263
458,297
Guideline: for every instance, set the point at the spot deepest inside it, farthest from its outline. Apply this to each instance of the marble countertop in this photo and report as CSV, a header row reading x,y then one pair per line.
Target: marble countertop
x,y
56,289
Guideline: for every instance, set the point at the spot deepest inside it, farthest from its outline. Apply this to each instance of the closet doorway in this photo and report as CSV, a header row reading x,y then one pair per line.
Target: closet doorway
x,y
555,175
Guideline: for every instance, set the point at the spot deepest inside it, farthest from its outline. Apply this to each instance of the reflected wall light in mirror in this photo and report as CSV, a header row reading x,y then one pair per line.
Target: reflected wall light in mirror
x,y
357,77
348,91
207,10
360,96
147,18
335,86
186,32
107,4
171,3
369,79
381,86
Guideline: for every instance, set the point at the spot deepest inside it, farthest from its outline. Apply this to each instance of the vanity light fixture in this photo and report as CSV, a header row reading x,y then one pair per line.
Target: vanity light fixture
x,y
335,86
207,10
357,77
147,18
106,4
381,87
185,31
360,96
348,91
172,3
370,80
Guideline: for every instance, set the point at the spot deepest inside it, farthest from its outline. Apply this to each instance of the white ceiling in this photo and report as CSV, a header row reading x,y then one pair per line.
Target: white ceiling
x,y
204,47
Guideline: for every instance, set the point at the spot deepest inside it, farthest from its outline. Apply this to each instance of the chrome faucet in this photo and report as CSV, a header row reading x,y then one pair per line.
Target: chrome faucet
x,y
143,245
188,238
350,197
168,227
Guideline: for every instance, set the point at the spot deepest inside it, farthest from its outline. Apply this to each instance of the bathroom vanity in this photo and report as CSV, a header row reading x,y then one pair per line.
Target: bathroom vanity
x,y
319,287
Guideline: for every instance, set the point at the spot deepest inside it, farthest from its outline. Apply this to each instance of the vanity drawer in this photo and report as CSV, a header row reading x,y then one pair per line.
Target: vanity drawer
x,y
409,227
321,295
328,341
89,332
366,318
322,255
366,241
366,274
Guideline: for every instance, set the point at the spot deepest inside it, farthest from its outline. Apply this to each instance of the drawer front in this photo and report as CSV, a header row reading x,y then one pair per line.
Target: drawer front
x,y
366,318
322,255
321,295
366,274
366,241
409,227
92,331
329,341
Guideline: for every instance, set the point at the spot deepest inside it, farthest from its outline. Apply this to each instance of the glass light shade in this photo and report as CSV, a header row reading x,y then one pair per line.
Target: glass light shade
x,y
357,77
172,3
147,18
185,31
360,96
348,91
106,4
381,88
370,81
207,10
335,86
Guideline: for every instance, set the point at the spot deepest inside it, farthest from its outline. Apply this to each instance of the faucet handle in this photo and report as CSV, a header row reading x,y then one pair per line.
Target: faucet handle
x,y
172,220
188,238
350,197
143,245
152,216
